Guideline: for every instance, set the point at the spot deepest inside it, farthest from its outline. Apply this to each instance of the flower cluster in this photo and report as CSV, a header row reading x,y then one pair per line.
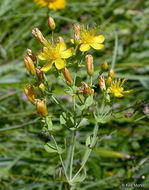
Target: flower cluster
x,y
56,53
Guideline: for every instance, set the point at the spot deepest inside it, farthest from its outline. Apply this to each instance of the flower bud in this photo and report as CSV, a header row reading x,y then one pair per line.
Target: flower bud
x,y
36,32
29,65
92,91
85,89
31,54
39,73
30,93
104,66
59,39
108,81
51,23
67,76
111,73
76,28
41,86
102,83
89,64
41,107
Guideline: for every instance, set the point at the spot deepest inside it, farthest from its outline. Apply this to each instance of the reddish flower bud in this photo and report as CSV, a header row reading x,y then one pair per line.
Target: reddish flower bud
x,y
89,64
30,93
28,62
41,107
67,76
39,73
31,54
51,23
85,89
102,83
76,28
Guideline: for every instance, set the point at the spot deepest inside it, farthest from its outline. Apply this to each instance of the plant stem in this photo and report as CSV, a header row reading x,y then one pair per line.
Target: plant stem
x,y
115,51
60,157
88,151
72,153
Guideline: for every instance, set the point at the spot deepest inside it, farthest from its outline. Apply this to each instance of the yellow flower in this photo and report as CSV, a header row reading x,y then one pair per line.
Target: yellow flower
x,y
117,89
52,4
88,39
55,54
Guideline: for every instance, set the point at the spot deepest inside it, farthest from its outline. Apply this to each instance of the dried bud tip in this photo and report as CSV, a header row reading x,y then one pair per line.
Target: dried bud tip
x,y
36,32
59,39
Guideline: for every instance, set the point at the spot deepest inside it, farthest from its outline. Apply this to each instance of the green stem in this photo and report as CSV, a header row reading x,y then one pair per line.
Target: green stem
x,y
60,157
72,153
115,51
88,151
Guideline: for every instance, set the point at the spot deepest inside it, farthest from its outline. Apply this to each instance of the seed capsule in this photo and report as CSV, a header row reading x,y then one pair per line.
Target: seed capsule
x,y
67,76
36,32
29,65
51,23
31,54
89,64
41,107
102,83
30,93
111,73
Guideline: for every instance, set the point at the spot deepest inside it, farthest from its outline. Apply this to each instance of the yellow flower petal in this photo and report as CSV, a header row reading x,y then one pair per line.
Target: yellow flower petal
x,y
127,91
57,4
43,56
67,53
97,45
60,63
61,46
47,66
99,39
84,47
72,41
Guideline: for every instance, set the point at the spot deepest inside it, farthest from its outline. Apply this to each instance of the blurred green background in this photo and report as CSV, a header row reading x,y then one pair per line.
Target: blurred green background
x,y
122,155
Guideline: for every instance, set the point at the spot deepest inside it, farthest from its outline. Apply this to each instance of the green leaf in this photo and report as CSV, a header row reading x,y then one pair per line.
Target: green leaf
x,y
50,148
89,101
88,141
49,122
109,153
80,107
62,119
